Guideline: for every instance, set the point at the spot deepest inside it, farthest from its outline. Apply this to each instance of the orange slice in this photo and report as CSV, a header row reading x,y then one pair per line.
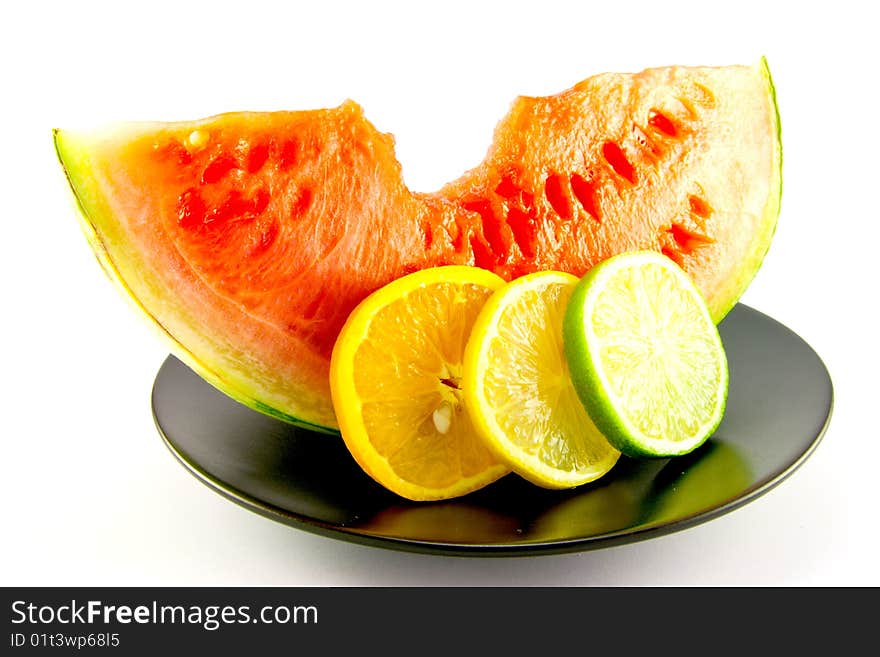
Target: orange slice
x,y
395,381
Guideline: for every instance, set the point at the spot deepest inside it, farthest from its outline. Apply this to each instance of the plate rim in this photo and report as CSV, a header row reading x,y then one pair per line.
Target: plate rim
x,y
356,535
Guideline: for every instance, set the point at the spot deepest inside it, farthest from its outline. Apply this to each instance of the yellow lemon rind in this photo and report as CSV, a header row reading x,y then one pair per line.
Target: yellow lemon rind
x,y
476,360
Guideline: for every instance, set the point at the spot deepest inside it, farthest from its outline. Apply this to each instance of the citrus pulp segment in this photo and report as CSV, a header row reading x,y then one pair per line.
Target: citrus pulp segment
x,y
518,390
645,355
395,380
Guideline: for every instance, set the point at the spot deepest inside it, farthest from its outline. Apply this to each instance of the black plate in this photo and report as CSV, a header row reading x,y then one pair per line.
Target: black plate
x,y
778,408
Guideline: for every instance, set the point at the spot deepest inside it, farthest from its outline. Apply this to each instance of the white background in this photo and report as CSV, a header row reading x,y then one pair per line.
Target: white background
x,y
89,493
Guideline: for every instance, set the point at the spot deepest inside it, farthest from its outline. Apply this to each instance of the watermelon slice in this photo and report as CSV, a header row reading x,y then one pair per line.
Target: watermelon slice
x,y
249,237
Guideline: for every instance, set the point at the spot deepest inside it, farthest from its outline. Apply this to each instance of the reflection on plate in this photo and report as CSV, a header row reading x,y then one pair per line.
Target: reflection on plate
x,y
778,408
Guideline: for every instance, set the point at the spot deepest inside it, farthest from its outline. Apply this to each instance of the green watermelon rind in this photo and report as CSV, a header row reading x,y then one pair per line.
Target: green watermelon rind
x,y
77,179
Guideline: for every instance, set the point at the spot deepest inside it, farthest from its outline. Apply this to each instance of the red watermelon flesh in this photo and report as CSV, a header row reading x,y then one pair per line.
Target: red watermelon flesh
x,y
249,237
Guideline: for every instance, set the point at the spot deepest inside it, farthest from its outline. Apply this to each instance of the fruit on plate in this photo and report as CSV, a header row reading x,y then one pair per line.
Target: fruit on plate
x,y
396,383
518,390
248,238
645,355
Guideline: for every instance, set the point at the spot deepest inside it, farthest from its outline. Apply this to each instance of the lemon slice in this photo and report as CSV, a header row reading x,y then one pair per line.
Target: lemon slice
x,y
518,390
645,355
395,381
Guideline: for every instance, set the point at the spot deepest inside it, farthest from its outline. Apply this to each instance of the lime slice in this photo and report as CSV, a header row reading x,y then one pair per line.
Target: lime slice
x,y
518,391
645,356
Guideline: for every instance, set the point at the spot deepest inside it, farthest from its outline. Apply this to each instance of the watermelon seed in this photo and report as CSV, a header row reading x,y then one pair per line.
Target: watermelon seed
x,y
483,256
256,157
585,192
615,156
662,123
524,231
190,209
493,227
261,201
701,94
217,168
699,207
507,188
687,240
672,255
302,201
556,193
289,153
